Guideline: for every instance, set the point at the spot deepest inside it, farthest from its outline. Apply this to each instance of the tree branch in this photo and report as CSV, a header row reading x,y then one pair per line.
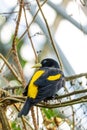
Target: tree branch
x,y
14,45
72,77
9,99
4,120
10,67
50,35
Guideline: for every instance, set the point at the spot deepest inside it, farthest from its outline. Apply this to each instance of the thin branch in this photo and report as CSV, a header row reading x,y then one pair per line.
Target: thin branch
x,y
68,78
57,54
8,100
83,2
24,120
14,45
10,67
36,57
27,122
52,42
21,118
36,60
71,105
64,104
73,115
12,88
31,22
4,120
7,57
17,24
34,118
71,94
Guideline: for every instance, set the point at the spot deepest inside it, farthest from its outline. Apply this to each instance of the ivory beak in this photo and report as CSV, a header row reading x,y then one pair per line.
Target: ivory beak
x,y
38,65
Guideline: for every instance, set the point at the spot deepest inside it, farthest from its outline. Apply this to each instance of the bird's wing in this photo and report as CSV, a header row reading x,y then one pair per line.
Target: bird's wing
x,y
50,76
49,83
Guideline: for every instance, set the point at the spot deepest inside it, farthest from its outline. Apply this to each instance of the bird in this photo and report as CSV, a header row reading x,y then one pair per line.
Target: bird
x,y
47,80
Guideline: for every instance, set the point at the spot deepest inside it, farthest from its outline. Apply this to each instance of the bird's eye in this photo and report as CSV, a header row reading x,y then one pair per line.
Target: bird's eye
x,y
45,61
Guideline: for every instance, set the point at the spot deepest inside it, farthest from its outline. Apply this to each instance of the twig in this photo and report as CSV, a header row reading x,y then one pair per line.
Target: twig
x,y
14,45
4,120
83,2
10,67
71,94
21,118
52,42
31,22
64,104
37,116
17,25
12,88
71,105
14,99
73,115
34,118
10,100
57,105
27,122
7,57
36,57
24,120
68,78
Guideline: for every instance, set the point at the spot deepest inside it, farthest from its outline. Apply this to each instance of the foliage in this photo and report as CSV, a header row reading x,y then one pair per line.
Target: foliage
x,y
15,126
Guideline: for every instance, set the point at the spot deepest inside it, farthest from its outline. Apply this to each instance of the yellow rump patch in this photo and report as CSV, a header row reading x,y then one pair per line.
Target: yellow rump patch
x,y
33,89
54,77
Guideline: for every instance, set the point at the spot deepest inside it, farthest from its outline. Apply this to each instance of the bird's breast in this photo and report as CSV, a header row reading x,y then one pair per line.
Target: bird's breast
x,y
32,88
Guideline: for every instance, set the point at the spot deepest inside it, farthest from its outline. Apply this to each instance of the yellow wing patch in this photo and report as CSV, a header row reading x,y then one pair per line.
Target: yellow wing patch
x,y
33,89
54,77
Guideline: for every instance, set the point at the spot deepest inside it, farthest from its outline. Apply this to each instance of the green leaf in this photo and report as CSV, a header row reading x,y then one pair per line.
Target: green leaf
x,y
15,126
52,113
49,113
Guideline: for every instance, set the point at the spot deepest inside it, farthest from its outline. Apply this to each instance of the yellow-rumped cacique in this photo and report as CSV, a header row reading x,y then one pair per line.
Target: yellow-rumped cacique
x,y
44,84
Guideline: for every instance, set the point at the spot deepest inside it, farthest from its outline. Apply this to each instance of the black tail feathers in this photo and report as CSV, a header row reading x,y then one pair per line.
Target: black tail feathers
x,y
25,108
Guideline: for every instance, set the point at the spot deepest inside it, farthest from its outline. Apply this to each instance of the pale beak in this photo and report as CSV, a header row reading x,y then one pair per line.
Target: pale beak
x,y
38,65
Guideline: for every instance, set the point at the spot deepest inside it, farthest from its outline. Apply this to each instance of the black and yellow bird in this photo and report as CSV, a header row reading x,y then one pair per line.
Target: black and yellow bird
x,y
44,84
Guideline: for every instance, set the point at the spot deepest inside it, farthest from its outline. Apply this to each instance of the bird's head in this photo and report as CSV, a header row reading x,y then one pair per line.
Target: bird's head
x,y
48,62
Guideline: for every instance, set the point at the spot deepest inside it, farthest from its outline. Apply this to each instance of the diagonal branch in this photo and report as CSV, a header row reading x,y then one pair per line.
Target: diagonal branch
x,y
36,57
4,120
31,22
50,35
14,45
10,67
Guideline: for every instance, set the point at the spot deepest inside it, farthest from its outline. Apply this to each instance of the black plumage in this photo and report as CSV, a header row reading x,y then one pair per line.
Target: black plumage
x,y
44,84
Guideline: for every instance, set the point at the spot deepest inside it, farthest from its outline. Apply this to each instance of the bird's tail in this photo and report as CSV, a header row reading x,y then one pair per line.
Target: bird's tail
x,y
25,108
